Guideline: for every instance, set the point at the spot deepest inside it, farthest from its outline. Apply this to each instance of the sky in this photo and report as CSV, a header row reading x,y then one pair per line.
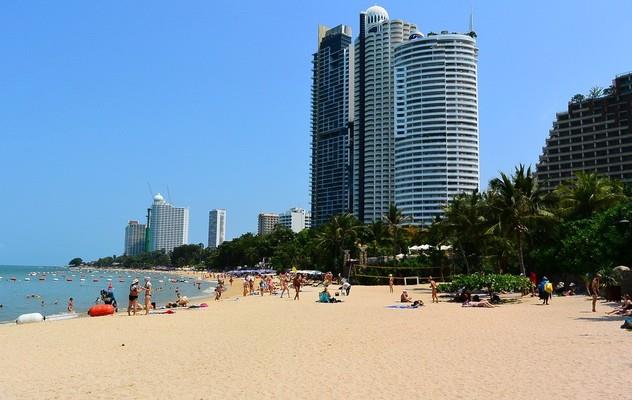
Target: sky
x,y
208,102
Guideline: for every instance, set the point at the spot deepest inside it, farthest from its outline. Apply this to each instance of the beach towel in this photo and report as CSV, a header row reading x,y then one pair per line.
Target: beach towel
x,y
403,307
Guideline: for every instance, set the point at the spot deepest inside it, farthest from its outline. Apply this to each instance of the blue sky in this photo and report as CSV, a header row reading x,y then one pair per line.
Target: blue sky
x,y
211,99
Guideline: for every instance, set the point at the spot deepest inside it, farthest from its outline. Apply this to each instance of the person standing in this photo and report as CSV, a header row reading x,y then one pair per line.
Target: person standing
x,y
71,305
297,286
391,282
285,285
147,295
134,288
594,288
433,288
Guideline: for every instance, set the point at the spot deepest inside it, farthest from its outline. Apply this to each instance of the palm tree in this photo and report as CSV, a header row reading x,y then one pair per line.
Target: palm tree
x,y
516,203
464,225
394,220
588,193
376,237
339,234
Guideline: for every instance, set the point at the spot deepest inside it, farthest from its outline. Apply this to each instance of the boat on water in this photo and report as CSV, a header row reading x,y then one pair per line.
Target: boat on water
x,y
95,280
13,278
55,279
27,279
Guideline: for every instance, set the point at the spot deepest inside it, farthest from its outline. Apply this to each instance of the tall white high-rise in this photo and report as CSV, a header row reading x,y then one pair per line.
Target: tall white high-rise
x,y
168,226
436,124
216,227
134,238
374,121
295,219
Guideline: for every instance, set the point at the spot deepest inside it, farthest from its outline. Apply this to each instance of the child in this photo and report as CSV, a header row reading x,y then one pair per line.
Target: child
x,y
71,305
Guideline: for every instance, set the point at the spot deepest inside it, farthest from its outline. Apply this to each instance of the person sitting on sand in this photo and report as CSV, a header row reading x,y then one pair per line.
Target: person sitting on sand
x,y
405,298
626,306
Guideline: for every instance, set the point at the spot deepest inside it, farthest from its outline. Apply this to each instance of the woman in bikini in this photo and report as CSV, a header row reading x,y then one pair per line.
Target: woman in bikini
x,y
133,296
147,295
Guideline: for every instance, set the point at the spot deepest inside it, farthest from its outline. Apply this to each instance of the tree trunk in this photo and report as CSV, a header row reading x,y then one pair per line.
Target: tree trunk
x,y
521,256
467,264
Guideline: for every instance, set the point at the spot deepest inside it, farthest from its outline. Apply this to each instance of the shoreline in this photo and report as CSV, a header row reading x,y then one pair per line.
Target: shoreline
x,y
457,352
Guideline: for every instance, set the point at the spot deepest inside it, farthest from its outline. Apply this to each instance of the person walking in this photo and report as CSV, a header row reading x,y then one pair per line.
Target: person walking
x,y
285,285
134,288
594,288
297,285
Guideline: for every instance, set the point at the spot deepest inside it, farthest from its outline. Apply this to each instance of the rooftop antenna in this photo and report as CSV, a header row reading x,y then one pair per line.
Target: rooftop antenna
x,y
151,192
472,20
169,195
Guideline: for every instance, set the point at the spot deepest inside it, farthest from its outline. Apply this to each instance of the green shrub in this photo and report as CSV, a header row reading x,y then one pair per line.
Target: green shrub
x,y
493,282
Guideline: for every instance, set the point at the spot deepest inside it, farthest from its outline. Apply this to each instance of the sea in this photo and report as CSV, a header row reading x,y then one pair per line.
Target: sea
x,y
46,289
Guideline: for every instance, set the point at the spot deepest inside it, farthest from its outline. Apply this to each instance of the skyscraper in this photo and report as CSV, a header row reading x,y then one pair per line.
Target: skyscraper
x,y
374,123
134,238
332,109
295,219
216,227
169,225
594,134
267,222
436,122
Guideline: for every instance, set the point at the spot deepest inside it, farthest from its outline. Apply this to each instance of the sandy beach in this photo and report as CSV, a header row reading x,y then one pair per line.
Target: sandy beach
x,y
266,347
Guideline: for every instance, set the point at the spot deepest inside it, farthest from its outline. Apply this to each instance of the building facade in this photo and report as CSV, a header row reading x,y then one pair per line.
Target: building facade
x,y
374,106
592,135
332,109
169,225
436,122
216,227
267,222
134,238
295,219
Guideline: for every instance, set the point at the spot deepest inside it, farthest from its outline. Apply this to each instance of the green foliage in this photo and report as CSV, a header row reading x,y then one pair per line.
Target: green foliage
x,y
490,282
75,262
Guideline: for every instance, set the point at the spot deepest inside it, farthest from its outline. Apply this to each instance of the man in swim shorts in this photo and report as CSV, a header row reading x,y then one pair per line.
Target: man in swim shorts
x,y
133,296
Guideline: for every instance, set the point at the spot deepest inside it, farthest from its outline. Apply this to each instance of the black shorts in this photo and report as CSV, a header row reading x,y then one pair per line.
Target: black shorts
x,y
132,298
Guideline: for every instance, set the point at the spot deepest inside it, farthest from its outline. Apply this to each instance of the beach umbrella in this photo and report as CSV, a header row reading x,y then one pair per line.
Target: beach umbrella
x,y
621,268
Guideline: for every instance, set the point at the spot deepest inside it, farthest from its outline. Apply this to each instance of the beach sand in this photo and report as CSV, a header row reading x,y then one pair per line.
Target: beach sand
x,y
271,348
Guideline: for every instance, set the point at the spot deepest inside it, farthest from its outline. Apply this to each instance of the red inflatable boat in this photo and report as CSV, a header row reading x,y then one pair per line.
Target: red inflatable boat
x,y
100,310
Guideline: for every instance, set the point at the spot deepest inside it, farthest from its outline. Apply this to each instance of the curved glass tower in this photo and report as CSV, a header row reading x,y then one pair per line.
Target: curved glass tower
x,y
436,122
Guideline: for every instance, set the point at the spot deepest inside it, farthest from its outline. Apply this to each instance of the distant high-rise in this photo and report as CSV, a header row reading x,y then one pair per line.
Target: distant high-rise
x,y
169,225
436,122
134,238
216,227
332,109
267,222
374,122
295,219
594,134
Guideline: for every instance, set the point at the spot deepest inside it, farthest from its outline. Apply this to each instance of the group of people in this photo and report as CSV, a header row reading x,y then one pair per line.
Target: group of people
x,y
134,290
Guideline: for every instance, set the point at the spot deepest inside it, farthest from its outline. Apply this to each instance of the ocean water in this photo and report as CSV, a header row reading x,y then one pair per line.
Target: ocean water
x,y
47,289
